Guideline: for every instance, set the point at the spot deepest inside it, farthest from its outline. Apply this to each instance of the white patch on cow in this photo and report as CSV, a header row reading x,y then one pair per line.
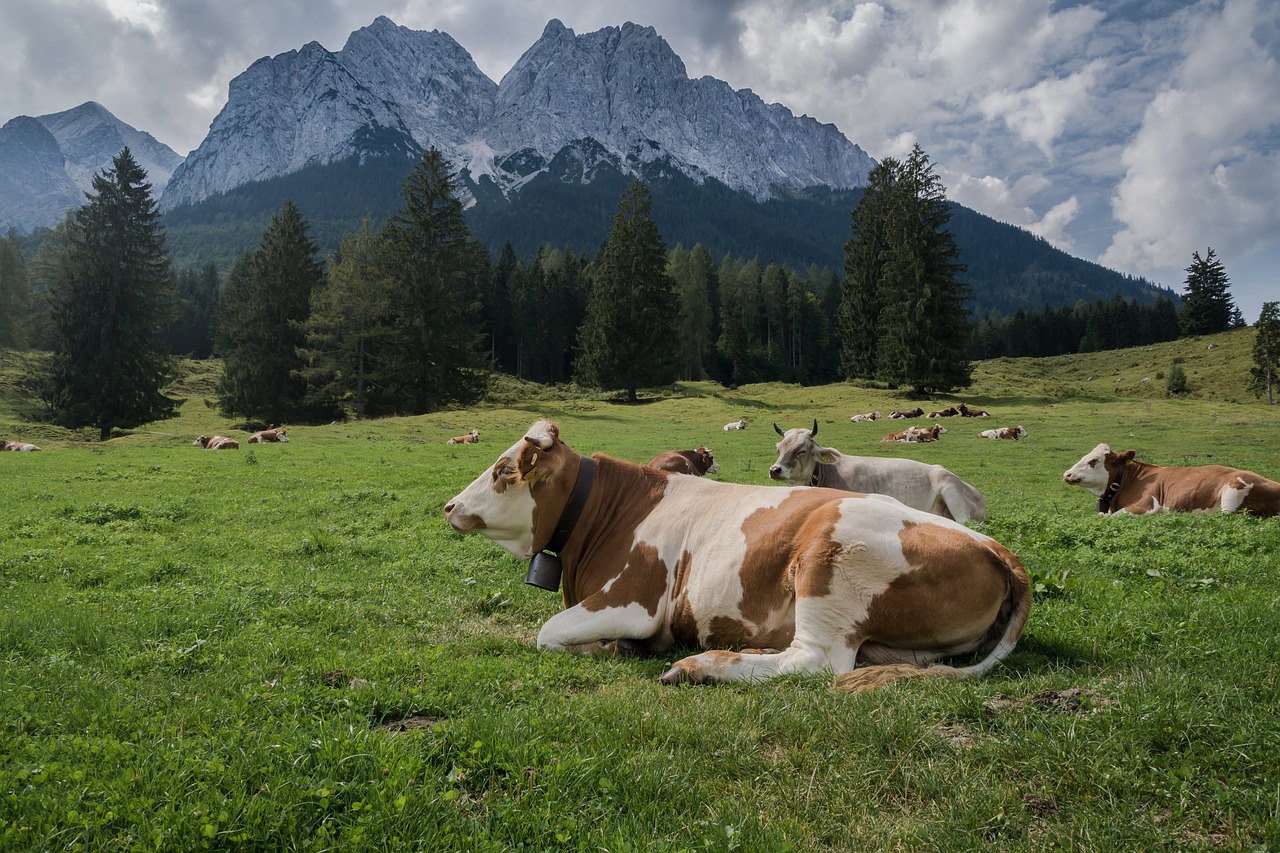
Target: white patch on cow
x,y
1233,496
503,515
577,625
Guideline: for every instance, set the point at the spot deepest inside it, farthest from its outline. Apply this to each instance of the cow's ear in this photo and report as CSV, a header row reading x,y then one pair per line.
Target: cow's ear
x,y
826,455
543,435
1126,457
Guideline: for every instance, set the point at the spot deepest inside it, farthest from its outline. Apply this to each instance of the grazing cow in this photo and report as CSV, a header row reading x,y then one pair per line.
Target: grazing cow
x,y
216,442
472,437
856,584
20,446
915,413
1123,484
269,436
931,488
966,412
948,412
738,424
1014,433
865,418
695,462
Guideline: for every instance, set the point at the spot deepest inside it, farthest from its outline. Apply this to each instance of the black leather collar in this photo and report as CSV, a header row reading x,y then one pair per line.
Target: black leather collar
x,y
1108,495
573,509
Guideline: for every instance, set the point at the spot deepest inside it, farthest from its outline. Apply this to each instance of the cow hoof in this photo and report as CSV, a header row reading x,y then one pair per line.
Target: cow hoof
x,y
675,675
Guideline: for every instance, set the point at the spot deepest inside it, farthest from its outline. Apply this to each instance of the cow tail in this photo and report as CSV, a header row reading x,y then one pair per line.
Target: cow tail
x,y
1012,618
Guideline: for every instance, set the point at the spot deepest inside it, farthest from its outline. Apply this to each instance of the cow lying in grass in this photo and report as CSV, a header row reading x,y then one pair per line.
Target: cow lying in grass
x,y
695,462
19,446
216,442
860,585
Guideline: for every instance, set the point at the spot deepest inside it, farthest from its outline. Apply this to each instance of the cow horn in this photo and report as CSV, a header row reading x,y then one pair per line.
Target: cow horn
x,y
815,428
778,431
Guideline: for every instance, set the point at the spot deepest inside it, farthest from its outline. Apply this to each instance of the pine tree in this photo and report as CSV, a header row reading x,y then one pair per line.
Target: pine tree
x,y
265,302
15,293
111,293
191,333
1266,352
694,274
628,339
434,357
349,317
1207,305
864,260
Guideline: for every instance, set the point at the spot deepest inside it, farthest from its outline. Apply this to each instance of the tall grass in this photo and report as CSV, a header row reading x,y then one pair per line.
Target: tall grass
x,y
287,648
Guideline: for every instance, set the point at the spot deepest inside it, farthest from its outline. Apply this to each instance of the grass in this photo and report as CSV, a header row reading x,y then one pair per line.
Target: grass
x,y
285,647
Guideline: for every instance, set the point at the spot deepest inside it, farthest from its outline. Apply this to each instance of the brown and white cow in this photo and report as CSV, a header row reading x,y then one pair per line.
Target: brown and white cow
x,y
917,412
269,436
949,412
472,437
19,446
695,462
216,442
1015,433
739,424
1123,484
930,488
865,418
914,435
966,412
857,584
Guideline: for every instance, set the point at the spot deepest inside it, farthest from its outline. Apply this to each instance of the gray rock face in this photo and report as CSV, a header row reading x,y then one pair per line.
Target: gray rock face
x,y
48,163
393,89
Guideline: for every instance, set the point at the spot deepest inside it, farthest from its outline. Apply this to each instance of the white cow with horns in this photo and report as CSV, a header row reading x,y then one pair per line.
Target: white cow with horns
x,y
857,584
932,488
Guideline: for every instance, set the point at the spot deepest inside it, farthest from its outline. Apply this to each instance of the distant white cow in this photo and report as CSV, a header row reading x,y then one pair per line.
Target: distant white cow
x,y
866,417
738,424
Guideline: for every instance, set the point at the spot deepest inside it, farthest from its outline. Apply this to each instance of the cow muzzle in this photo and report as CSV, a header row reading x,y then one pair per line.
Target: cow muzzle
x,y
459,519
775,473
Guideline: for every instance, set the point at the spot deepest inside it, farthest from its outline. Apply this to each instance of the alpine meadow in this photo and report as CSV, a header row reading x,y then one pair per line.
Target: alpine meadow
x,y
286,647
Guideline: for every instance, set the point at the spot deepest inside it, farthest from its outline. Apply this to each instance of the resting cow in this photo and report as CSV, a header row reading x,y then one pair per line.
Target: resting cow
x,y
966,412
917,412
695,462
865,418
1123,484
472,437
1014,433
915,435
19,446
269,436
216,442
949,412
738,424
856,584
931,488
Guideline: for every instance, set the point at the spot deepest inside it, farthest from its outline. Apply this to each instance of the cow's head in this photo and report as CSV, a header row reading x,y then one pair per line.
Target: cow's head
x,y
798,456
1094,471
708,463
518,501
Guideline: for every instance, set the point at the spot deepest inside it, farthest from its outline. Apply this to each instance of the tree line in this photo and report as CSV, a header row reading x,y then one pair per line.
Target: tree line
x,y
414,315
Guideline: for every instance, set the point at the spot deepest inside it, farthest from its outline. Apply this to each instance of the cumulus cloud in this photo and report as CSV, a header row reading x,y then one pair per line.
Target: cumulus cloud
x,y
1203,169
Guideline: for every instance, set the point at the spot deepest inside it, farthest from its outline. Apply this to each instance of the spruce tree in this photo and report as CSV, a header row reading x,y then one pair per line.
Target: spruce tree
x,y
348,319
629,337
1206,303
111,292
191,333
265,302
864,260
433,357
1266,352
695,276
15,293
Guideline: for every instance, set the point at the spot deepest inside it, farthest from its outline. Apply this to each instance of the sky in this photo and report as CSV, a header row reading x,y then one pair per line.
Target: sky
x,y
1133,133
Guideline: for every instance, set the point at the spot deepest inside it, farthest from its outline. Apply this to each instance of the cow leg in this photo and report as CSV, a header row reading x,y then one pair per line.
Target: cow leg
x,y
611,630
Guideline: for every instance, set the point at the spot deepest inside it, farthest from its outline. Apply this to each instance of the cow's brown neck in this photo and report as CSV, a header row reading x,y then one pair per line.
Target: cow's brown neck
x,y
573,509
1108,496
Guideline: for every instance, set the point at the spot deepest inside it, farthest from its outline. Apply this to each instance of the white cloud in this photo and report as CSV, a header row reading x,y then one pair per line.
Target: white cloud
x,y
1039,113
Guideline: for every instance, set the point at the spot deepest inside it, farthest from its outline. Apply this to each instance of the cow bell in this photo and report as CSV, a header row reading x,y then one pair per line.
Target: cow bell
x,y
544,571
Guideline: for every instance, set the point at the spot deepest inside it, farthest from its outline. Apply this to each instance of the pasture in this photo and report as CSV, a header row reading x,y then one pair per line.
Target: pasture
x,y
286,647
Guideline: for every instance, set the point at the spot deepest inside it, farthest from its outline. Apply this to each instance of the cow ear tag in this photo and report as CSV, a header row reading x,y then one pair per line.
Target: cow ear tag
x,y
544,571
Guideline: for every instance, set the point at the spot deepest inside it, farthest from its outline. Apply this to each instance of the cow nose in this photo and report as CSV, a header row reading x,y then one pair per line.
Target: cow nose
x,y
775,472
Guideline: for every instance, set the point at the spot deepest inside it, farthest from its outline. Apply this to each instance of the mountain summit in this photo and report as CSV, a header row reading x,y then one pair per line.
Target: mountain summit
x,y
619,95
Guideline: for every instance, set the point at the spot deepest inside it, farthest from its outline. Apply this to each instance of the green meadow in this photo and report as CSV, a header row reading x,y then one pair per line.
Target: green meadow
x,y
285,647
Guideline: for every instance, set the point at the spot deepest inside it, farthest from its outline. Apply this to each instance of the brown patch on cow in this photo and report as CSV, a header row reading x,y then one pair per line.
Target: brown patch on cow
x,y
725,631
550,474
638,583
1188,489
684,624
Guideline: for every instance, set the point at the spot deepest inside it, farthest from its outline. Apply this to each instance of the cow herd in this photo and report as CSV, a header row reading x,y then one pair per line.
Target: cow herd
x,y
923,434
867,570
222,442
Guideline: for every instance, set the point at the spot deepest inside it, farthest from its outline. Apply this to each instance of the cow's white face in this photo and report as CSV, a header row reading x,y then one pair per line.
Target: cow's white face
x,y
498,505
798,457
1091,471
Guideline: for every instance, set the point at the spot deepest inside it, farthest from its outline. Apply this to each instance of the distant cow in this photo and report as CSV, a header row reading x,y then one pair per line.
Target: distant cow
x,y
932,488
857,585
915,413
216,442
966,412
948,412
1123,484
472,437
738,424
917,434
1014,433
20,446
269,436
696,462
865,418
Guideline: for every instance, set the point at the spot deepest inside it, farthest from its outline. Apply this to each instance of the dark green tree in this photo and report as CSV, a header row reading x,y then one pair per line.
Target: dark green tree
x,y
265,302
1207,305
695,276
865,255
15,294
629,337
349,318
191,332
1266,352
434,356
111,293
